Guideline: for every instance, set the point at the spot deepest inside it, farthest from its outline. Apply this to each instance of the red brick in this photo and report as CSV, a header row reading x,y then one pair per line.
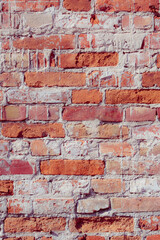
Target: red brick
x,y
18,206
14,113
31,6
158,61
14,130
106,185
77,5
65,167
142,22
85,113
50,79
79,60
16,167
114,5
119,5
150,223
126,22
132,96
143,204
51,42
153,237
38,112
140,114
147,6
39,60
86,96
151,79
102,224
42,224
116,149
126,238
5,44
6,187
20,238
91,238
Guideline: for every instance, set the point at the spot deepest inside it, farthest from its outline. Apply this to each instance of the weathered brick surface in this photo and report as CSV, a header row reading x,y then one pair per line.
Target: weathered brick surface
x,y
79,119
106,224
88,60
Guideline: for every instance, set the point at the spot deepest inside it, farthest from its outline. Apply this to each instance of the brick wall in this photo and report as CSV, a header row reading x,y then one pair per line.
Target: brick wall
x,y
80,112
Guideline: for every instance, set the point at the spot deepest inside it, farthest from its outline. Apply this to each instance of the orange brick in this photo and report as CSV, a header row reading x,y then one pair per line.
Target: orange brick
x,y
102,224
153,237
86,96
65,167
50,79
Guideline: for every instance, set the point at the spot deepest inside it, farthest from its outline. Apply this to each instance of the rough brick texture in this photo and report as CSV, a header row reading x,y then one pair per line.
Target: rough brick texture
x,y
80,119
